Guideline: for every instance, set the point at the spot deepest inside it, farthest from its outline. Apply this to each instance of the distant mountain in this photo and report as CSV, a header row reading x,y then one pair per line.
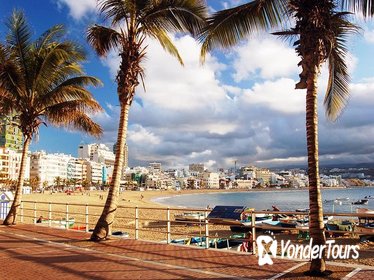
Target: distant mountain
x,y
328,166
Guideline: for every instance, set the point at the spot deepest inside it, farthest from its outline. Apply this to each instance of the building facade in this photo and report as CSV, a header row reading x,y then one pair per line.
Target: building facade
x,y
10,164
46,167
196,167
10,135
96,152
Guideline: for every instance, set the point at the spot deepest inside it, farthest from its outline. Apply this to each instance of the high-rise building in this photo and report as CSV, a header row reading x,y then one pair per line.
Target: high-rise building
x,y
155,167
96,152
94,171
46,167
196,167
10,135
76,170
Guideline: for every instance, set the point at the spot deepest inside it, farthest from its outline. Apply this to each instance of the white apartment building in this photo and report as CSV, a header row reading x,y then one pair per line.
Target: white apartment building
x,y
10,164
209,180
46,167
155,167
94,171
245,184
96,152
76,170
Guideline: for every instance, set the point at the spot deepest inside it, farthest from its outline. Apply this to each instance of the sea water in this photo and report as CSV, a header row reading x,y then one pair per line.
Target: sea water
x,y
286,200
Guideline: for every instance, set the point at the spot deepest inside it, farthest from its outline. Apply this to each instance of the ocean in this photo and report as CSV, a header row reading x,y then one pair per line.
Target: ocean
x,y
287,200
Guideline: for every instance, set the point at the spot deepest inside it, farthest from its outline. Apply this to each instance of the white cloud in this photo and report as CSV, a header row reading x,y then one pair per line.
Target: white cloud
x,y
175,87
279,95
369,35
142,136
79,8
265,58
199,154
196,114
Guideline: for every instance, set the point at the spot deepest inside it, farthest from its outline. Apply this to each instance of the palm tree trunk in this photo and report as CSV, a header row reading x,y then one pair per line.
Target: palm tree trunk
x,y
104,224
12,215
316,226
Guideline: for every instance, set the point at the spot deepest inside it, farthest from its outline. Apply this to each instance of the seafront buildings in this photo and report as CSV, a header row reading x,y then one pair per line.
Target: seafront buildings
x,y
10,135
93,168
10,163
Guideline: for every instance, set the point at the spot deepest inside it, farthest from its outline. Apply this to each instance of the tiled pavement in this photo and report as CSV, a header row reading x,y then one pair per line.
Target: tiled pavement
x,y
37,252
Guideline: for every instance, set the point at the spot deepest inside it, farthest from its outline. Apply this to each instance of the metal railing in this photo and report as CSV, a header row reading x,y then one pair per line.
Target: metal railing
x,y
154,223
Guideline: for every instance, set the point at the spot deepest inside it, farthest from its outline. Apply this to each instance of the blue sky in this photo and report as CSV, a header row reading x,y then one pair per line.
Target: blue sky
x,y
240,106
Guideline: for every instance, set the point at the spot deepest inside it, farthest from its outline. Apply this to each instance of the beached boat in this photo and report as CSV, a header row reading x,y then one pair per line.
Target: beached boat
x,y
334,201
342,199
365,223
361,202
235,215
190,217
341,225
62,223
218,243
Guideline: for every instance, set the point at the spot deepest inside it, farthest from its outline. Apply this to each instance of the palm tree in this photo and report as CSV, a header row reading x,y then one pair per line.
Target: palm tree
x,y
42,82
319,31
57,181
131,22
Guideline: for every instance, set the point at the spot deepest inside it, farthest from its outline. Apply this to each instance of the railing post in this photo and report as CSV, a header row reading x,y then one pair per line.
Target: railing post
x,y
168,225
67,215
50,214
87,218
253,223
136,223
21,212
34,212
206,230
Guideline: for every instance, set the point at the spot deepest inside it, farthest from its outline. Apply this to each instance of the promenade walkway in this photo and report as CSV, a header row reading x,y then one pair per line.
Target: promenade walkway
x,y
38,252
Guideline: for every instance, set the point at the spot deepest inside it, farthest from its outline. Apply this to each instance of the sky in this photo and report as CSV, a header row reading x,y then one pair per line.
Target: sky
x,y
240,106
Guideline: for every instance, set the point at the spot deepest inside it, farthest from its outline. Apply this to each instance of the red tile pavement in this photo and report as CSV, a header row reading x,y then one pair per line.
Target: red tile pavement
x,y
37,252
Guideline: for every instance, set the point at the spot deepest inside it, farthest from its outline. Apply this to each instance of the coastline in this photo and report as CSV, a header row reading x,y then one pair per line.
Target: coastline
x,y
147,198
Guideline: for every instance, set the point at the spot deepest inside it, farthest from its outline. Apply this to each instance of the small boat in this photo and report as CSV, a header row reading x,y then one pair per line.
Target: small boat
x,y
365,224
121,234
339,228
190,217
288,222
342,199
334,201
59,223
305,210
361,202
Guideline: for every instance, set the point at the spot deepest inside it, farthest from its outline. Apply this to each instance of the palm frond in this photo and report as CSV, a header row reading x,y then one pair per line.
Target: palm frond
x,y
70,89
228,27
103,39
337,93
176,16
363,7
55,64
166,43
19,39
49,37
117,10
75,119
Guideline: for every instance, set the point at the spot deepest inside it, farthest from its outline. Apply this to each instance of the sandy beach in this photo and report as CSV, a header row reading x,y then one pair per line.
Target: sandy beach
x,y
152,216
